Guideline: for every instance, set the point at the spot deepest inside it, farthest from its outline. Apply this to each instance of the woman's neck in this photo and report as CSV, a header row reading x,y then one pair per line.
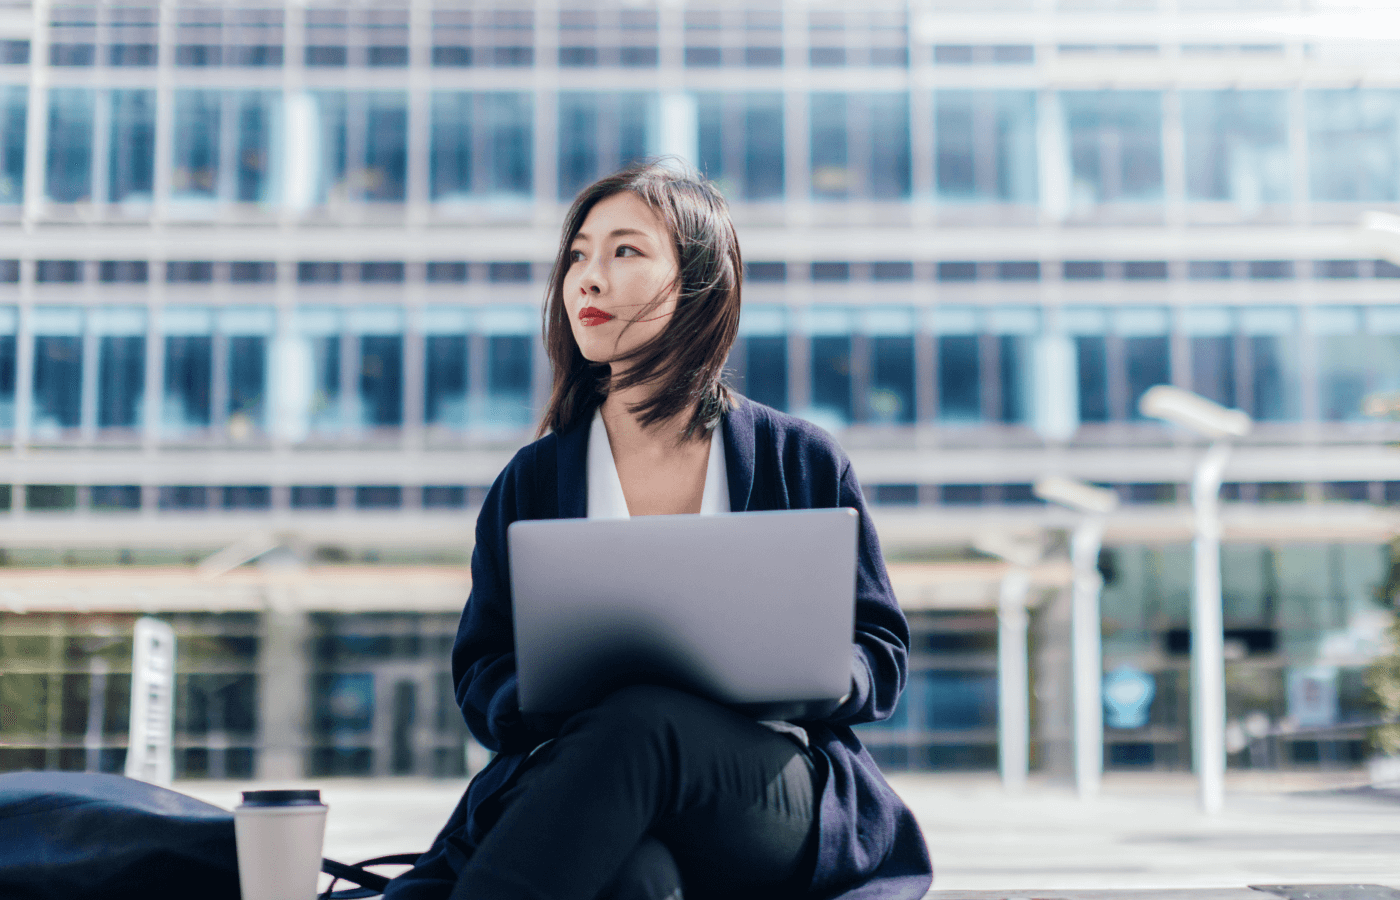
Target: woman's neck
x,y
624,429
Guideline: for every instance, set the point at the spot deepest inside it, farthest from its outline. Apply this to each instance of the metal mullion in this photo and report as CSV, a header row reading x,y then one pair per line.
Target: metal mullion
x,y
165,113
87,419
36,115
225,181
101,145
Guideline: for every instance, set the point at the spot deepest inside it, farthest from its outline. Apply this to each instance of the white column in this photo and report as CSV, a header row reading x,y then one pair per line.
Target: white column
x,y
1013,680
1207,635
1087,654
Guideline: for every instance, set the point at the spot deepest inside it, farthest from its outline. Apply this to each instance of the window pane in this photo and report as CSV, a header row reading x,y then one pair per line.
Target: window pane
x,y
831,177
247,379
1275,372
132,147
381,380
58,371
888,143
258,125
763,147
14,109
891,398
1115,146
450,164
508,364
1213,368
445,380
1148,363
1236,146
328,116
578,142
7,382
985,146
69,173
509,121
188,367
601,133
831,380
959,378
121,366
1092,354
1015,371
766,370
195,153
386,148
1354,145
1353,366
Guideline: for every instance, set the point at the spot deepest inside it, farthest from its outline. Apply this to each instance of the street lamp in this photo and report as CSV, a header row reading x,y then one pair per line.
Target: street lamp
x,y
1013,667
1086,647
1214,421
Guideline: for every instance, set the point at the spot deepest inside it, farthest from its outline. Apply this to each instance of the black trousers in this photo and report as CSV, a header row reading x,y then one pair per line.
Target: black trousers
x,y
653,794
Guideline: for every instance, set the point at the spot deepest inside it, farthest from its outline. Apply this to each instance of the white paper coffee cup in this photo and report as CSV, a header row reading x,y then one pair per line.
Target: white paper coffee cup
x,y
280,835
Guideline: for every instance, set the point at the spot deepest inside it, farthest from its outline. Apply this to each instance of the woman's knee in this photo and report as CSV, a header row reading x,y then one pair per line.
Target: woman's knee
x,y
649,873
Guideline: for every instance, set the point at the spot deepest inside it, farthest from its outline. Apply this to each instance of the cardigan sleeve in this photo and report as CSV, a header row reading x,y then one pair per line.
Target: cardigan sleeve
x,y
880,652
483,656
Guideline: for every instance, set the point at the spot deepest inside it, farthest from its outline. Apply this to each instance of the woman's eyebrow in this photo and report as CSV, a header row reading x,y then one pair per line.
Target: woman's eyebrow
x,y
616,232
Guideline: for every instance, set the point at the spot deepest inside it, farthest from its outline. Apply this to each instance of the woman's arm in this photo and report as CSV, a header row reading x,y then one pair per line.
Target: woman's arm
x,y
483,657
880,654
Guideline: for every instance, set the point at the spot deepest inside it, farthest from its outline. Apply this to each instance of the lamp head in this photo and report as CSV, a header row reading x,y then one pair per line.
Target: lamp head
x,y
1077,495
1172,404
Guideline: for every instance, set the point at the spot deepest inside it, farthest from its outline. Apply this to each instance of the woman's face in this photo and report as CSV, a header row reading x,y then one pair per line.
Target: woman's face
x,y
622,259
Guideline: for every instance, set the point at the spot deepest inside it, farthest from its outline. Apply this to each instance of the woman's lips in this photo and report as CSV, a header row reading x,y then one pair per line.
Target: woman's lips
x,y
592,315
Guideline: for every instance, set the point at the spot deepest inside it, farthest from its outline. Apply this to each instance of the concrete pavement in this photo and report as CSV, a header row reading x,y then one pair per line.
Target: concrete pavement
x,y
1142,839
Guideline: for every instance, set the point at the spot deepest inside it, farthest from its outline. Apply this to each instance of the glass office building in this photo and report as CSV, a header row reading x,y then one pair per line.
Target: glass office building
x,y
277,270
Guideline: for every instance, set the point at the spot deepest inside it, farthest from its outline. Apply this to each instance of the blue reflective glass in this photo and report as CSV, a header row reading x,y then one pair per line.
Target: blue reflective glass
x,y
1014,372
831,380
1274,362
1353,366
381,380
1354,145
763,147
188,380
891,393
1236,146
329,117
887,143
14,108
259,121
58,383
1213,367
831,176
578,142
68,175
121,380
509,122
959,378
1115,146
509,360
1147,361
450,156
194,167
8,364
1091,352
247,383
600,133
131,151
985,147
385,175
445,380
765,376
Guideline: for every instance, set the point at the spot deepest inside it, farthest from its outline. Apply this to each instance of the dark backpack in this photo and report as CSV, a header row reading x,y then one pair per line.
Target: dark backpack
x,y
67,835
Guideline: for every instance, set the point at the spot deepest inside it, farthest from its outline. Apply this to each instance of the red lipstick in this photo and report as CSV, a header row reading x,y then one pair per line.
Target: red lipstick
x,y
592,315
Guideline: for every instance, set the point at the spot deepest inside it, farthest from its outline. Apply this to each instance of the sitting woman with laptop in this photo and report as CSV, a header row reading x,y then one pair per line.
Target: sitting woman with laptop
x,y
655,793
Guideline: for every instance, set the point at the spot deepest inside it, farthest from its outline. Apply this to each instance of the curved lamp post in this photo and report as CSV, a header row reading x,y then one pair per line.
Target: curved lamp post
x,y
1013,668
1086,650
1214,421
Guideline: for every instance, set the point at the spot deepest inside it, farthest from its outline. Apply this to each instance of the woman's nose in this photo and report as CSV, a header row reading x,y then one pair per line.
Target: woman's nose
x,y
591,280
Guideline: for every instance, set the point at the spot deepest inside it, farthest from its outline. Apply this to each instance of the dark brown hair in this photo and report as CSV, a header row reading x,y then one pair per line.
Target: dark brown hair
x,y
685,362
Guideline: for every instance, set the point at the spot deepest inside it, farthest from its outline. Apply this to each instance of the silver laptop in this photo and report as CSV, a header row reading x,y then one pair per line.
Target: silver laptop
x,y
754,610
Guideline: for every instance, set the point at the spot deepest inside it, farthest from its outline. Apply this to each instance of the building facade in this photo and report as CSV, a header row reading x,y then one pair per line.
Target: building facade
x,y
271,278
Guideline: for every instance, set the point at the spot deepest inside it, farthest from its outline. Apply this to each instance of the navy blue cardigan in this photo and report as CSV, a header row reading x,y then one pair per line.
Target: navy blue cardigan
x,y
870,845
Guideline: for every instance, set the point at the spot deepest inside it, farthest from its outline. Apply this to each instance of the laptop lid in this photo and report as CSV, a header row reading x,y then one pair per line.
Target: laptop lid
x,y
755,610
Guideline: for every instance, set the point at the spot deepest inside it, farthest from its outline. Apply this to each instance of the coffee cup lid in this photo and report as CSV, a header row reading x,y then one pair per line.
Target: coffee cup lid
x,y
282,798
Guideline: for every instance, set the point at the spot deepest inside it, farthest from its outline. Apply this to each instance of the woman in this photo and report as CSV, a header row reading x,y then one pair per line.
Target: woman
x,y
655,793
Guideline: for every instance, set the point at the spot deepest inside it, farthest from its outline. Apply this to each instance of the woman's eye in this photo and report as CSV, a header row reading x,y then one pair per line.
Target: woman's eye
x,y
575,256
624,250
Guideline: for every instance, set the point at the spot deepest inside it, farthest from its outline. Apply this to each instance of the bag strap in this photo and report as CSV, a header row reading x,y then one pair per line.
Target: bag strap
x,y
370,884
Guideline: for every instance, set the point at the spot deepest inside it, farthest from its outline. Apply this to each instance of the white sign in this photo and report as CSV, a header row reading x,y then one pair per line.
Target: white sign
x,y
150,752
